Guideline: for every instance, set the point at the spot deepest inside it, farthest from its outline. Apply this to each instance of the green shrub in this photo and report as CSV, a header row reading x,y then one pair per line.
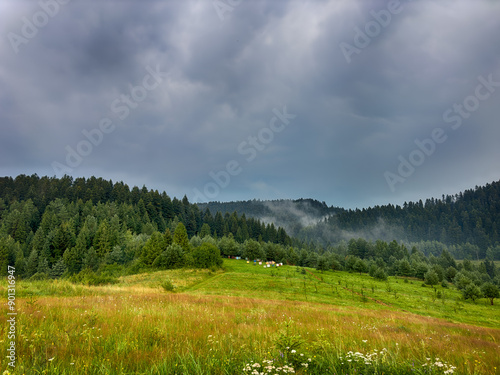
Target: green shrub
x,y
40,276
472,292
380,274
431,278
207,255
167,285
89,277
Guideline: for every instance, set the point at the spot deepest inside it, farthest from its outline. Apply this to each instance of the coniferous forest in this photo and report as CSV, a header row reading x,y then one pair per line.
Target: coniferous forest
x,y
465,224
469,217
52,226
92,230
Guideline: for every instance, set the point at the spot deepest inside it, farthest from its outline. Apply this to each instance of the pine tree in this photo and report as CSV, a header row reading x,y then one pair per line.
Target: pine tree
x,y
323,263
181,237
472,291
360,266
32,263
153,248
91,260
102,240
205,230
175,256
166,207
58,269
20,263
253,250
43,266
8,250
4,256
73,260
167,237
404,268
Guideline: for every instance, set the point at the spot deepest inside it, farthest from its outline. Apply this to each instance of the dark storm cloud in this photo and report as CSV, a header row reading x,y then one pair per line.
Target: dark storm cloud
x,y
221,79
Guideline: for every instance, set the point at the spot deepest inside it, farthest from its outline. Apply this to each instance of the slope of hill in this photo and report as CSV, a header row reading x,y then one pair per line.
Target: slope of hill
x,y
293,215
52,226
471,217
216,323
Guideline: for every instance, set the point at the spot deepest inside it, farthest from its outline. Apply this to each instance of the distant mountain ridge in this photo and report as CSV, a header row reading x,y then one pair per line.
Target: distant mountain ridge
x,y
293,214
472,216
261,207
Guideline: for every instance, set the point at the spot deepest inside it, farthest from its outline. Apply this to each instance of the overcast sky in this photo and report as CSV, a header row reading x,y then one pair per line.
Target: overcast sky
x,y
234,100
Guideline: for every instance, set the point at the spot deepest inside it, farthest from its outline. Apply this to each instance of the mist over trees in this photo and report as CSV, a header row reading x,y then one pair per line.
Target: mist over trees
x,y
471,217
465,224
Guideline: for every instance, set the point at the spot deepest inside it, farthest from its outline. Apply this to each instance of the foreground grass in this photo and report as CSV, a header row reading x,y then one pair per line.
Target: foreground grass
x,y
219,323
349,289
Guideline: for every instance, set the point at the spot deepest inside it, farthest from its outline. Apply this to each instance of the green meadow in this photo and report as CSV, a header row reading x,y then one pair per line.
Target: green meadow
x,y
247,319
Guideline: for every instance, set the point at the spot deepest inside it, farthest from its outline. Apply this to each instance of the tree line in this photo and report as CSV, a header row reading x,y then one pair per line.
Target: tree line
x,y
472,217
47,229
466,224
57,225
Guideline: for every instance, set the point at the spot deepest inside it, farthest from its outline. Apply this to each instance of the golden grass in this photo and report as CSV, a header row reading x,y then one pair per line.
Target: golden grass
x,y
133,328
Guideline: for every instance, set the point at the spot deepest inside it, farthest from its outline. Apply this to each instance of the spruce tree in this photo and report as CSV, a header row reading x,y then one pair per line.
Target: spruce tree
x,y
153,248
181,237
91,260
43,266
102,240
58,269
205,230
32,263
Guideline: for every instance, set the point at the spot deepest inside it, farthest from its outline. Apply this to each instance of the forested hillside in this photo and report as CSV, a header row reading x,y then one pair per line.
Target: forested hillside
x,y
86,229
293,215
53,226
469,217
466,224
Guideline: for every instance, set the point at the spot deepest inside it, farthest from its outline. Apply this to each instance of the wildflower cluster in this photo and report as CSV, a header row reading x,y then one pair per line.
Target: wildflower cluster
x,y
268,367
439,365
287,361
360,358
298,360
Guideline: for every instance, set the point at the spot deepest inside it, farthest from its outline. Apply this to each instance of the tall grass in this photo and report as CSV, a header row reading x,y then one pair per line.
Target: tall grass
x,y
136,327
185,334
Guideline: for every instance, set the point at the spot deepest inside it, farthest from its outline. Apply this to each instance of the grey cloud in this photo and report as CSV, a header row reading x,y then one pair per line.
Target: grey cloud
x,y
226,77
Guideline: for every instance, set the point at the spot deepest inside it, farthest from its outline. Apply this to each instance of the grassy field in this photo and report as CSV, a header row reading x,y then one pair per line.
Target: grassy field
x,y
233,321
